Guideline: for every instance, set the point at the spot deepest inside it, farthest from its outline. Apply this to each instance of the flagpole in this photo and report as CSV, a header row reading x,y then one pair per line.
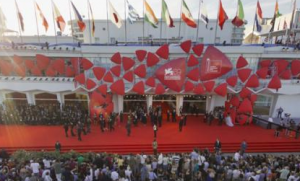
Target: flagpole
x,y
216,27
20,29
197,33
161,24
143,22
180,19
125,22
254,23
72,31
55,33
89,6
107,24
37,26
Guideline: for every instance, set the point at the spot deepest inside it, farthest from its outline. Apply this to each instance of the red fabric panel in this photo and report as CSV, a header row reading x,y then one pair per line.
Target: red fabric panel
x,y
232,80
20,70
160,89
139,87
141,55
253,98
42,61
152,59
150,82
36,71
234,101
108,77
194,74
70,72
99,72
189,86
214,64
221,89
59,66
275,83
186,46
263,72
116,70
118,87
140,71
198,49
116,58
286,74
265,63
102,89
6,67
50,72
109,109
97,98
253,81
90,84
17,59
80,78
245,92
245,107
29,64
75,63
128,63
295,67
209,86
193,61
163,51
199,89
244,74
281,65
241,62
128,76
86,64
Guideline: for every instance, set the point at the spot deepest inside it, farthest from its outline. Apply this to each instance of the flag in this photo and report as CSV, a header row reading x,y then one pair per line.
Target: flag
x,y
61,24
186,15
203,14
166,15
284,25
276,14
78,18
93,21
132,13
45,23
20,17
239,18
114,16
258,17
222,16
150,16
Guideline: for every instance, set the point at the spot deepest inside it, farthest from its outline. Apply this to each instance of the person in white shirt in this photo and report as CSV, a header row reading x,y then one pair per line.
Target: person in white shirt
x,y
114,176
237,156
47,177
128,173
34,167
160,159
46,163
201,160
45,173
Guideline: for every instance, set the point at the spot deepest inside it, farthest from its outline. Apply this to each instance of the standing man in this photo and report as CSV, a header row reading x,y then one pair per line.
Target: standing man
x,y
280,111
102,122
57,146
155,130
243,147
154,146
72,122
184,120
218,146
174,115
79,130
128,125
66,128
181,123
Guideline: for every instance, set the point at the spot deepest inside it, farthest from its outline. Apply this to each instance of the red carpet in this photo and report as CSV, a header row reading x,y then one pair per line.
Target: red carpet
x,y
195,134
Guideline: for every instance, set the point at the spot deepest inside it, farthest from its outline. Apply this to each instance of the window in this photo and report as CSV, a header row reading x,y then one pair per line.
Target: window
x,y
262,105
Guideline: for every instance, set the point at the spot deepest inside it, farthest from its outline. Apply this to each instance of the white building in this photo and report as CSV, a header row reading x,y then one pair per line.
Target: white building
x,y
141,31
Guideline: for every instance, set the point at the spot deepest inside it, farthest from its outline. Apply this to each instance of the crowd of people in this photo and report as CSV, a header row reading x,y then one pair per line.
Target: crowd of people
x,y
199,165
52,113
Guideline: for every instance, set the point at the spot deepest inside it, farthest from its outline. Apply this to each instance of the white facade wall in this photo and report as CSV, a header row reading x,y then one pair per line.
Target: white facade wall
x,y
289,103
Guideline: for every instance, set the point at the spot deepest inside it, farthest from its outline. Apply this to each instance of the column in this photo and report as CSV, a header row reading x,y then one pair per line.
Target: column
x,y
120,103
30,98
115,102
149,100
60,99
179,103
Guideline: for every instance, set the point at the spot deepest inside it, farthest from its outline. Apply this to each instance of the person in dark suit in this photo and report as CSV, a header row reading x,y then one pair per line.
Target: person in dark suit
x,y
128,126
218,146
79,130
181,123
174,115
57,146
66,128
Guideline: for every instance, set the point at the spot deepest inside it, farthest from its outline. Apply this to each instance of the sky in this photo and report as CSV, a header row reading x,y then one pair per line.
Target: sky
x,y
99,9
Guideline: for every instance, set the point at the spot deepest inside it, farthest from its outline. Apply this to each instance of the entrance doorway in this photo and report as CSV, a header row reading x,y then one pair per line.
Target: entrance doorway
x,y
165,102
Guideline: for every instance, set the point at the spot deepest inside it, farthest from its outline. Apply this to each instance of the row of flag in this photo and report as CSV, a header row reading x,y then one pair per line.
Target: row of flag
x,y
151,18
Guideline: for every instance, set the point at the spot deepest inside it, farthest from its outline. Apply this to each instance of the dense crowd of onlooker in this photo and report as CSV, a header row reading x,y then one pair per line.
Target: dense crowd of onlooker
x,y
195,166
52,113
